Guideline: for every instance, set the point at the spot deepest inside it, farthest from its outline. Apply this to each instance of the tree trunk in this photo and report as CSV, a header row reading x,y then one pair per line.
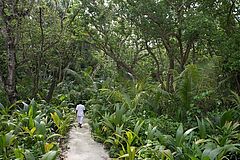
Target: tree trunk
x,y
1,78
11,13
237,79
170,75
39,56
36,79
52,85
51,90
10,84
193,55
154,57
169,49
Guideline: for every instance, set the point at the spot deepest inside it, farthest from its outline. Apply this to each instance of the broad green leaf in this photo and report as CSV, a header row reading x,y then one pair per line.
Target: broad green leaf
x,y
168,154
28,155
48,147
31,122
214,153
2,142
189,131
179,135
1,106
41,127
51,155
53,136
32,109
138,127
25,107
124,156
10,137
3,110
19,153
202,128
227,116
56,119
208,148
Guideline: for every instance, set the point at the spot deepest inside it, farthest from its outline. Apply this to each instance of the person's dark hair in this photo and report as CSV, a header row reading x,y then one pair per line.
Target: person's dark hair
x,y
81,102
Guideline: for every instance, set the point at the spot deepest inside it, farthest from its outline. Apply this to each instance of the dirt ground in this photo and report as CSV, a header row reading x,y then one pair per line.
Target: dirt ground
x,y
82,146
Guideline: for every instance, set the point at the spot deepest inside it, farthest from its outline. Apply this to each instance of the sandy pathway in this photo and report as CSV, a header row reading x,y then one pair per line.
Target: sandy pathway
x,y
83,147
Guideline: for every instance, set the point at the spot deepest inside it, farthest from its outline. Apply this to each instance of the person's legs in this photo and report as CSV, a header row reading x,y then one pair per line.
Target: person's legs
x,y
80,121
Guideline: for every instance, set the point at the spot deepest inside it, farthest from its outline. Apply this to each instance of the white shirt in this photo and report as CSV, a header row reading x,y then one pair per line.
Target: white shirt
x,y
80,108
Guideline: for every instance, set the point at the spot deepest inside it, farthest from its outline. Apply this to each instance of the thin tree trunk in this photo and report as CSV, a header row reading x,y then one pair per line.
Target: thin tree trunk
x,y
156,61
39,59
170,75
52,87
51,90
181,52
1,78
193,55
237,78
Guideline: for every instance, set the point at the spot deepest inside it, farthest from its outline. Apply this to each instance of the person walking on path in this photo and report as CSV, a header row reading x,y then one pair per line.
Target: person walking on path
x,y
80,114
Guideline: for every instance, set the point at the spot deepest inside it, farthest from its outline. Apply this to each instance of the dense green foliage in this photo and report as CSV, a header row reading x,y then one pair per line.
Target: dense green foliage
x,y
33,131
122,120
160,78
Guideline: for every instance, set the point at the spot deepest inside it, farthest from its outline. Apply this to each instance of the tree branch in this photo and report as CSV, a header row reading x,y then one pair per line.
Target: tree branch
x,y
189,46
156,61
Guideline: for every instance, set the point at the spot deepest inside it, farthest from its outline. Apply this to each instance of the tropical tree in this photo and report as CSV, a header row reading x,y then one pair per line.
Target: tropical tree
x,y
11,13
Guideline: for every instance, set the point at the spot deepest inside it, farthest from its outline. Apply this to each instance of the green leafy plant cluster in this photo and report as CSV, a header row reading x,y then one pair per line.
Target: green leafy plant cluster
x,y
32,131
121,120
